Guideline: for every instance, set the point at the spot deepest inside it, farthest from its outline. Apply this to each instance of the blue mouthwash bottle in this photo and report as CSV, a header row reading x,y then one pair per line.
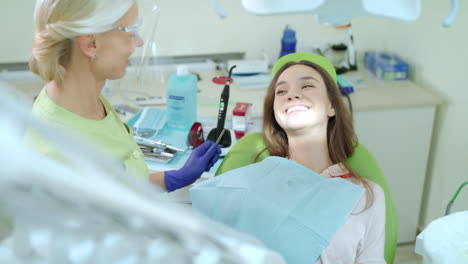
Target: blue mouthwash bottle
x,y
288,42
181,99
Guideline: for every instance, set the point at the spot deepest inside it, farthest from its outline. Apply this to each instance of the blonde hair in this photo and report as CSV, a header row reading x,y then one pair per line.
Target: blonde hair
x,y
59,22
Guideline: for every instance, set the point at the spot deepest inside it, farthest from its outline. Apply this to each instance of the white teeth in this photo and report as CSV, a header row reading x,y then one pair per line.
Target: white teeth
x,y
297,108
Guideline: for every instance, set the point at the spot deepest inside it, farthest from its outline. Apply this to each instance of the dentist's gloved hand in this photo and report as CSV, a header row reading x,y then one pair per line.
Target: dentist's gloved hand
x,y
202,159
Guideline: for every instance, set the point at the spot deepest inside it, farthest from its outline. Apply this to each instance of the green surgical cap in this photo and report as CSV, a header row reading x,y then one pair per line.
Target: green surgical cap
x,y
310,57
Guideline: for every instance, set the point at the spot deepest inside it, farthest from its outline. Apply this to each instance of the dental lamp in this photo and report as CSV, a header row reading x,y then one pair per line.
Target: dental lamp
x,y
340,12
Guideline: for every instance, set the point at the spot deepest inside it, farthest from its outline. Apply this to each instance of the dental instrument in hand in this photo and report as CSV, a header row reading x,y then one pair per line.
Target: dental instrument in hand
x,y
157,144
220,136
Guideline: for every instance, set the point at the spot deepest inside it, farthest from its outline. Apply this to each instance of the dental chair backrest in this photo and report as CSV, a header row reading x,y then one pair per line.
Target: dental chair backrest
x,y
245,151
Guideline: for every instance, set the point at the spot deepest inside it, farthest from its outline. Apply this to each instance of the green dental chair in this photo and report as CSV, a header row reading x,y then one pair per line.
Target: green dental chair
x,y
246,149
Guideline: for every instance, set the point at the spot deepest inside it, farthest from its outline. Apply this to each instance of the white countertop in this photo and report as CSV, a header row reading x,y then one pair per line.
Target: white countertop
x,y
378,94
373,94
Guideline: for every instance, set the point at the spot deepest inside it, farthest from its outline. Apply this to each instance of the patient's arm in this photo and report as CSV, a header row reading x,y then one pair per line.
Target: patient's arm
x,y
372,249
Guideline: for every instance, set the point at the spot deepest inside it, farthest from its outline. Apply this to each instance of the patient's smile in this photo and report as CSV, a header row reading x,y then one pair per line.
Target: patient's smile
x,y
296,108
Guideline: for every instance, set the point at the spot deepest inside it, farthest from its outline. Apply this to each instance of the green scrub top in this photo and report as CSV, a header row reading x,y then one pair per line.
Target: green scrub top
x,y
110,134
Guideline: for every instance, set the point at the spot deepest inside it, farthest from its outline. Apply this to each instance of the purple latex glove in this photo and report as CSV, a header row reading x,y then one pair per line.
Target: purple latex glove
x,y
202,159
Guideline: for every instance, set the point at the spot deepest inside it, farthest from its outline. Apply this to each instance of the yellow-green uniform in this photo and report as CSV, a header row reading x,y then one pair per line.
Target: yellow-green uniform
x,y
110,135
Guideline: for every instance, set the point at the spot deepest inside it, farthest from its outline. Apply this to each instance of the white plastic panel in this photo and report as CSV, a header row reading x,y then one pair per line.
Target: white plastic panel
x,y
407,10
269,7
338,11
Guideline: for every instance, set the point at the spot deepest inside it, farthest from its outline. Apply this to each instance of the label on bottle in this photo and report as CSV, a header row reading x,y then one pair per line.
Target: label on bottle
x,y
175,97
176,102
176,113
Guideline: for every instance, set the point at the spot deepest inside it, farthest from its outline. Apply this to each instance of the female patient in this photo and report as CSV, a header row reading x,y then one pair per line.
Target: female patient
x,y
305,120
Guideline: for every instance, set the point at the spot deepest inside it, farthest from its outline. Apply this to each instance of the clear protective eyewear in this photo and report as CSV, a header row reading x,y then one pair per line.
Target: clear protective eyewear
x,y
134,29
142,72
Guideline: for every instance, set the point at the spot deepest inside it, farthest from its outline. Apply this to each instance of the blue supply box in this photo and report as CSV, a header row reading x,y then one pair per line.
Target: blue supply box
x,y
386,66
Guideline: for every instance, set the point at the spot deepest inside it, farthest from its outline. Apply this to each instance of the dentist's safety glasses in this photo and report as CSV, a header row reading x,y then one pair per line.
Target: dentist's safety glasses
x,y
142,73
134,30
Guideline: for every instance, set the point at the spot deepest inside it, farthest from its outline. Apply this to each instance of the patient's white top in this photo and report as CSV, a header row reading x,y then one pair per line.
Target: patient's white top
x,y
361,239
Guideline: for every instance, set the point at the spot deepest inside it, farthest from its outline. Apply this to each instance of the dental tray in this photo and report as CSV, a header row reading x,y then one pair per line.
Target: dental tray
x,y
157,151
156,154
160,146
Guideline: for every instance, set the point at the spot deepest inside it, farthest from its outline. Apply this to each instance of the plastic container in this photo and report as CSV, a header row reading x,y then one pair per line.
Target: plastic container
x,y
181,99
386,66
288,42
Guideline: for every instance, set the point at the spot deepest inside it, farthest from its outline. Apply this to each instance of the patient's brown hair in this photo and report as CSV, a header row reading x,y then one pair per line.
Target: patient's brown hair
x,y
341,138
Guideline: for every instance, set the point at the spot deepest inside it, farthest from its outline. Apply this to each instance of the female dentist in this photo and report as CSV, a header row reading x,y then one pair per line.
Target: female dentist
x,y
78,45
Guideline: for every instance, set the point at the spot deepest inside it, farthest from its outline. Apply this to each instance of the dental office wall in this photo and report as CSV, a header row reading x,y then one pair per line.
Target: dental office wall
x,y
197,29
188,28
16,32
437,57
